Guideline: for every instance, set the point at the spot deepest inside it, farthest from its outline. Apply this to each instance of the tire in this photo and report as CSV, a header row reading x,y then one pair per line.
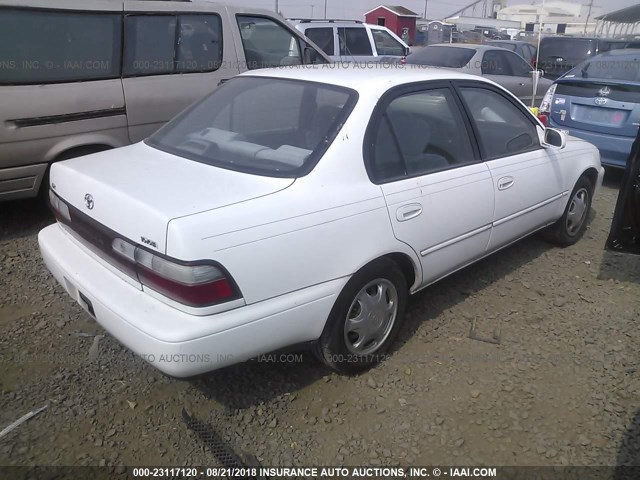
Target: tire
x,y
378,295
571,226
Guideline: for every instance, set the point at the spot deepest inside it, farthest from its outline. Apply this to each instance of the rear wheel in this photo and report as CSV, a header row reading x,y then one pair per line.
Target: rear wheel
x,y
573,223
365,318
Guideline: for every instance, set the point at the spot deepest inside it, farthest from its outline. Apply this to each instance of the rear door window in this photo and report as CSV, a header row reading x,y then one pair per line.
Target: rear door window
x,y
267,44
354,41
38,46
495,62
323,37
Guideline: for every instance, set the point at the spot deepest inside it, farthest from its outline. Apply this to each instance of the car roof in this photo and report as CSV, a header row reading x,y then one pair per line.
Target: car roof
x,y
373,79
621,52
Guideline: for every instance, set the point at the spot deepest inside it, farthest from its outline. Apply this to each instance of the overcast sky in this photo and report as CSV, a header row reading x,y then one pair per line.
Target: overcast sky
x,y
354,9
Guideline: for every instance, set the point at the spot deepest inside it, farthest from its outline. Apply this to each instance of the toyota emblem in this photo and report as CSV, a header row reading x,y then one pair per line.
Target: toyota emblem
x,y
88,201
600,101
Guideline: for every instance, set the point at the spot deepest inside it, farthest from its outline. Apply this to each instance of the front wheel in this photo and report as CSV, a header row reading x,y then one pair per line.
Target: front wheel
x,y
365,318
573,223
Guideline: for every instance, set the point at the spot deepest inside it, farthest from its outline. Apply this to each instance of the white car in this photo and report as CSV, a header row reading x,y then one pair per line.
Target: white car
x,y
304,204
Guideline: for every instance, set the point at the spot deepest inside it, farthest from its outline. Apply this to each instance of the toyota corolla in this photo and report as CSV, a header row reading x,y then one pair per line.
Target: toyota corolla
x,y
303,206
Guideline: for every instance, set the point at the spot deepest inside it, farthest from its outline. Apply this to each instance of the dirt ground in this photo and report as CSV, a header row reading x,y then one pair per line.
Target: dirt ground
x,y
562,387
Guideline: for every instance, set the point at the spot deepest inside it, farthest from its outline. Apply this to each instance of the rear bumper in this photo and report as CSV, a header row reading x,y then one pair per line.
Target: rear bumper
x,y
614,150
175,342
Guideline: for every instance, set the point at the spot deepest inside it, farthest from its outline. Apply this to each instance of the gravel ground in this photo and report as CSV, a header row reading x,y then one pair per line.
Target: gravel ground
x,y
561,387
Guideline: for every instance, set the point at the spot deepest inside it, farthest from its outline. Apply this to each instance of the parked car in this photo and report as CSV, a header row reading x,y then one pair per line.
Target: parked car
x,y
524,49
558,55
498,64
354,41
599,101
624,235
303,205
70,86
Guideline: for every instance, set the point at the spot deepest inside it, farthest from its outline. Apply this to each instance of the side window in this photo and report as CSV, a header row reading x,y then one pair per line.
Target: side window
x,y
41,46
267,44
323,37
519,67
386,44
495,63
503,128
199,43
419,133
166,44
150,44
354,41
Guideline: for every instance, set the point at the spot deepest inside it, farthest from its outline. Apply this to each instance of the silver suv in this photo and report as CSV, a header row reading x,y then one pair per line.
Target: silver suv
x,y
353,41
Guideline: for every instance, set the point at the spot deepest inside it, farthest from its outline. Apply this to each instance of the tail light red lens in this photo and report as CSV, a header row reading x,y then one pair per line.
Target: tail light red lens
x,y
544,118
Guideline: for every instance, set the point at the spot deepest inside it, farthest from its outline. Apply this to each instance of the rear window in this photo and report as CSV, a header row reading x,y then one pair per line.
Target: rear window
x,y
610,68
567,47
449,57
323,37
42,46
265,126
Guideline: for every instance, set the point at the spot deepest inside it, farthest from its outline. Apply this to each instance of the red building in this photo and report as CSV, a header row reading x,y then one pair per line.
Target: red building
x,y
399,20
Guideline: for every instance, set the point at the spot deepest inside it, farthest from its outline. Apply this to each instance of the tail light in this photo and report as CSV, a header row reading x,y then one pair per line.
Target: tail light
x,y
534,63
195,284
403,60
545,106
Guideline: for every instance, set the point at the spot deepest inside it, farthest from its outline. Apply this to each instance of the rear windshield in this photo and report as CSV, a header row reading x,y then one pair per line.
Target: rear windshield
x,y
43,46
449,57
260,125
567,48
626,68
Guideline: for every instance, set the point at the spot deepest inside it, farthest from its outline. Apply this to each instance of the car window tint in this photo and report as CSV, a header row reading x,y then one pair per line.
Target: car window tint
x,y
519,67
494,62
323,37
267,44
199,43
449,57
386,44
266,126
354,41
44,46
150,47
420,133
503,128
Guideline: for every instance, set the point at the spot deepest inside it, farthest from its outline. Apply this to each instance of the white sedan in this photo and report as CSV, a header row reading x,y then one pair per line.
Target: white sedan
x,y
303,205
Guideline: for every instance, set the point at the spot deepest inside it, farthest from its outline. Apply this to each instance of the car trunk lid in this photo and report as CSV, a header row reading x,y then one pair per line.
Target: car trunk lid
x,y
603,106
136,190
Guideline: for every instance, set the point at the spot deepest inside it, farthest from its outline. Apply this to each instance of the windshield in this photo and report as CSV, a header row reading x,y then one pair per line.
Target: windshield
x,y
626,68
449,57
567,47
266,126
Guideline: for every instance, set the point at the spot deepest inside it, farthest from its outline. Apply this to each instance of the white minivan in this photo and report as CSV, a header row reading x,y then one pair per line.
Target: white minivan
x,y
81,77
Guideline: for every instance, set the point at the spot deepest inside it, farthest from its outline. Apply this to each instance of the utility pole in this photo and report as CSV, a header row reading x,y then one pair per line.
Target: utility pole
x,y
325,9
426,3
586,22
312,7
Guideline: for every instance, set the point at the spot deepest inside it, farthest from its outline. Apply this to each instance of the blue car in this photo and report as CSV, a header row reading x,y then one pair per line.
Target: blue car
x,y
599,101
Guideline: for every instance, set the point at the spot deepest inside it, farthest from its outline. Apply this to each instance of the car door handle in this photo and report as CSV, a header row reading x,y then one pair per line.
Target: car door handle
x,y
407,212
505,182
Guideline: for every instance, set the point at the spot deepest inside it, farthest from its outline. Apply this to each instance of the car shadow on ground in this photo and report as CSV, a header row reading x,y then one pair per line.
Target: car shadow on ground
x,y
23,218
629,452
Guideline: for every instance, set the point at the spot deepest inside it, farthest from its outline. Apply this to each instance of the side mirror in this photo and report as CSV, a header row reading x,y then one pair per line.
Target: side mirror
x,y
310,55
554,138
